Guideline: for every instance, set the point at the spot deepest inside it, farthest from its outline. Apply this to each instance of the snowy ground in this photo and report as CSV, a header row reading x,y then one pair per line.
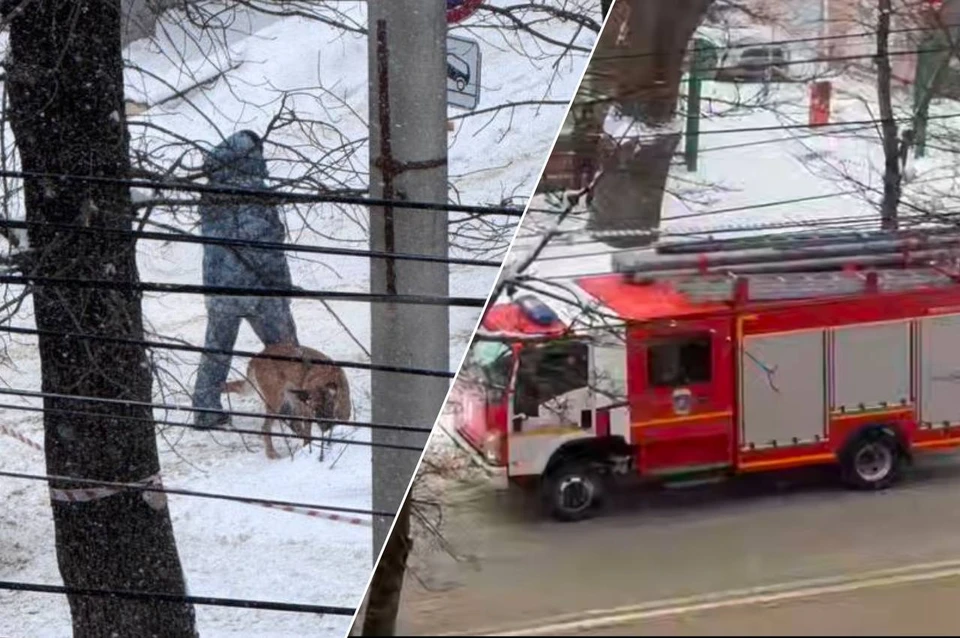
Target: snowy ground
x,y
237,550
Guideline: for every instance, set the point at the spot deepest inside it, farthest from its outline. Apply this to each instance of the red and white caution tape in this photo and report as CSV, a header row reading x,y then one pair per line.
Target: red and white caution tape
x,y
339,518
19,437
157,499
87,494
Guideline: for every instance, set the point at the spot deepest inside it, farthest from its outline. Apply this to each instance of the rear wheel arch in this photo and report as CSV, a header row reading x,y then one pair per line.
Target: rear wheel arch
x,y
893,430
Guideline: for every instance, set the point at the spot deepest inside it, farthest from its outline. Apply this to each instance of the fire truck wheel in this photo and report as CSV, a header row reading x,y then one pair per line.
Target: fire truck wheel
x,y
872,461
573,491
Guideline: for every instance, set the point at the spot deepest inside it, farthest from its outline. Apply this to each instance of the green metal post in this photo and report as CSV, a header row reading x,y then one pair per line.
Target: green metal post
x,y
693,122
702,53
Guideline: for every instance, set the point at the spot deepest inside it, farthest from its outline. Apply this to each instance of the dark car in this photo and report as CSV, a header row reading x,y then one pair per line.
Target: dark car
x,y
758,63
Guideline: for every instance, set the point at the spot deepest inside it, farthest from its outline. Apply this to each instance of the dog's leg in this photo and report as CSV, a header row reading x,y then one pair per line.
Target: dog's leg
x,y
323,441
268,440
326,438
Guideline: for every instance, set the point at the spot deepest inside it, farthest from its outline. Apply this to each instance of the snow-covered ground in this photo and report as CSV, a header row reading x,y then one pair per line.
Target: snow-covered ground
x,y
237,550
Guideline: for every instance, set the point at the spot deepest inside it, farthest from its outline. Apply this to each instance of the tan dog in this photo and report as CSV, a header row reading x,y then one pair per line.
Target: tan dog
x,y
297,388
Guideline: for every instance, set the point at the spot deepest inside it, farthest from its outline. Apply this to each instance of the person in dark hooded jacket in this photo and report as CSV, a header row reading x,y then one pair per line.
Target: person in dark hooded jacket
x,y
238,162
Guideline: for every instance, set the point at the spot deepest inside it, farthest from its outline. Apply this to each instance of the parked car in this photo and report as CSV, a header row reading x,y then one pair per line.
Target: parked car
x,y
755,63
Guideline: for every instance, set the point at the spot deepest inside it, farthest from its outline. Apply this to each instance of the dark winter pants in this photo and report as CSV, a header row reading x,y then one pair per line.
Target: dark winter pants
x,y
270,319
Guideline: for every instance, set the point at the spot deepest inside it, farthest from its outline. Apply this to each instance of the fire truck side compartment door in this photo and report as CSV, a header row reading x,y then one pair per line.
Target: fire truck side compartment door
x,y
782,378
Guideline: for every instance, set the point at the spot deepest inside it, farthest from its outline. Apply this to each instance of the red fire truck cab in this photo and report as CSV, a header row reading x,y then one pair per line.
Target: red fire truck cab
x,y
676,368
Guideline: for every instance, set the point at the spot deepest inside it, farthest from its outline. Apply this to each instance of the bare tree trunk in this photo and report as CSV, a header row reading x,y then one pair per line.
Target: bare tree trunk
x,y
66,109
642,74
629,194
385,588
892,176
605,6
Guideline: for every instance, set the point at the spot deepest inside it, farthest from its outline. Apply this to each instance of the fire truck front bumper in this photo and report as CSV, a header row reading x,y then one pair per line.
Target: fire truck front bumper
x,y
496,475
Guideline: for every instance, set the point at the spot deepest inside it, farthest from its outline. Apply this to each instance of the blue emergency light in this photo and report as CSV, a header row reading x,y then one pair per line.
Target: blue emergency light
x,y
536,311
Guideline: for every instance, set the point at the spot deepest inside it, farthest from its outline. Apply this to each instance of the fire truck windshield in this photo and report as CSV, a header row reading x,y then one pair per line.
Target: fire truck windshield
x,y
492,360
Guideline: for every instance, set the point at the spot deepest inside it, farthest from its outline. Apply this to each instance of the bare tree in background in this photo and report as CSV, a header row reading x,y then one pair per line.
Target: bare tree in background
x,y
65,83
892,176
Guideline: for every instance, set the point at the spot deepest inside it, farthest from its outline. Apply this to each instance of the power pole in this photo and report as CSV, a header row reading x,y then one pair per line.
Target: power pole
x,y
408,161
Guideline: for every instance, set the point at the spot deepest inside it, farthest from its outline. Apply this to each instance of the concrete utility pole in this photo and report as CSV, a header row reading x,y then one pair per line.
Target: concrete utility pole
x,y
408,160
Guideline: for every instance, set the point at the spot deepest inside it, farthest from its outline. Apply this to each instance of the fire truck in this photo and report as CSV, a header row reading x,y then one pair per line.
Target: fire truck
x,y
701,360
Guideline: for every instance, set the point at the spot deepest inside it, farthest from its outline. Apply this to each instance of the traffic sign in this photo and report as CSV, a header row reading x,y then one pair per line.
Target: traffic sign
x,y
460,10
463,73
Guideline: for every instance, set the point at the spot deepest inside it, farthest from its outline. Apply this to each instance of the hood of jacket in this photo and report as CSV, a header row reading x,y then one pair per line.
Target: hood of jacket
x,y
237,161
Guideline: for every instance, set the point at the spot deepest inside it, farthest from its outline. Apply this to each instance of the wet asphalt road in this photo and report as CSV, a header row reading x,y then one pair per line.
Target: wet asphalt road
x,y
520,571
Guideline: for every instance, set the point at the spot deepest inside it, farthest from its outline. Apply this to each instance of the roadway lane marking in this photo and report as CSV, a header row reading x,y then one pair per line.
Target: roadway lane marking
x,y
598,619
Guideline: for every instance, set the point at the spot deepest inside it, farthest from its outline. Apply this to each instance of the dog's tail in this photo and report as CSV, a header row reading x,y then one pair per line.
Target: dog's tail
x,y
240,386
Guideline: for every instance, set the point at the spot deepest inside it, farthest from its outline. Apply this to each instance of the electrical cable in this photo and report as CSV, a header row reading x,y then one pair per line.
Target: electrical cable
x,y
265,195
192,289
53,478
177,598
790,127
183,408
188,238
832,58
775,43
189,426
160,345
632,91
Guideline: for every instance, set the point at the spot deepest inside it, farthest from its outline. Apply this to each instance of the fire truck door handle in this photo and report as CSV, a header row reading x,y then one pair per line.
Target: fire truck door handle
x,y
518,422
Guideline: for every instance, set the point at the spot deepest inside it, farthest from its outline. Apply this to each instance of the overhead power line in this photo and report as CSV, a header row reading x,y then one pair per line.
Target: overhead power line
x,y
134,487
162,345
265,196
160,597
230,430
820,59
702,230
733,46
188,238
194,289
184,408
635,89
791,127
